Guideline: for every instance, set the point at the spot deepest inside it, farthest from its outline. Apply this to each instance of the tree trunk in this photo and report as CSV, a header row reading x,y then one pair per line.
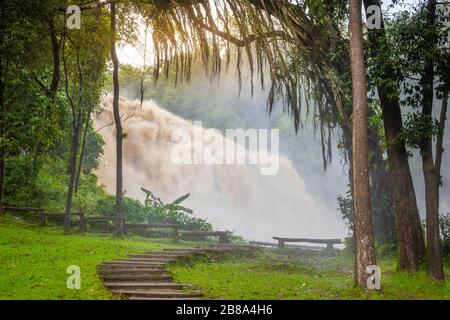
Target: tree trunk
x,y
119,134
77,120
434,259
365,249
83,148
2,113
439,141
408,226
2,149
2,172
442,119
72,170
380,192
56,63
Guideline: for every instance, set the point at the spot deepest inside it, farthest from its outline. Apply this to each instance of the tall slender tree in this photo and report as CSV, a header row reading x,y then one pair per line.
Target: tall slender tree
x,y
77,116
119,131
365,249
2,90
81,74
430,172
409,230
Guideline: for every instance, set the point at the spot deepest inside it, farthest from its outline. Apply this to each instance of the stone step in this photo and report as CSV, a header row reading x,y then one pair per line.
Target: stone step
x,y
158,293
131,269
149,298
137,278
132,263
233,246
188,251
143,285
194,249
149,259
157,255
229,248
132,272
128,266
144,276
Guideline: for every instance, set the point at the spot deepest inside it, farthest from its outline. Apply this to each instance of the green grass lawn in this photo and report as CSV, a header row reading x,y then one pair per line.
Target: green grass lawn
x,y
301,274
34,260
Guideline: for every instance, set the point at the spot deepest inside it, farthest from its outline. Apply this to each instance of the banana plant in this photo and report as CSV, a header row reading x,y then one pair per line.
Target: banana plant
x,y
168,209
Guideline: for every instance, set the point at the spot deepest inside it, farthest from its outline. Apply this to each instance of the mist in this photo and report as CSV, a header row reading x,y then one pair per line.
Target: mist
x,y
232,197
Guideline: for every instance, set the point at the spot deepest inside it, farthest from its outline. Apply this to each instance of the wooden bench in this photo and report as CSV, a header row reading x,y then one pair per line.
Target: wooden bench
x,y
144,226
224,236
43,217
98,220
328,242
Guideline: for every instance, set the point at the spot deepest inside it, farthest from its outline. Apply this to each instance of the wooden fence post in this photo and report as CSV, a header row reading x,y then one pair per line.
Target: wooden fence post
x,y
82,222
42,218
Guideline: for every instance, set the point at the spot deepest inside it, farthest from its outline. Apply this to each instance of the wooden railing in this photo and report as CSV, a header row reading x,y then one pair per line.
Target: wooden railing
x,y
5,208
224,236
43,217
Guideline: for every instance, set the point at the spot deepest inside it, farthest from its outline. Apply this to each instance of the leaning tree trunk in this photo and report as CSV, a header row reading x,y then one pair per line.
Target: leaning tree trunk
x,y
72,169
432,179
119,133
83,148
408,226
77,120
365,249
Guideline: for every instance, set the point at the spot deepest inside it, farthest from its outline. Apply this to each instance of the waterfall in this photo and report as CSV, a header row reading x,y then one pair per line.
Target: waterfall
x,y
230,196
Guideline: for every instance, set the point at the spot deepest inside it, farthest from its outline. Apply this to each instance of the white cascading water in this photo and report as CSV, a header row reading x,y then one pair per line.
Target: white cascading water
x,y
232,197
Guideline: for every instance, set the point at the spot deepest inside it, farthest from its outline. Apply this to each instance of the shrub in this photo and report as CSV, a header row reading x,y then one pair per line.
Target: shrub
x,y
444,223
174,212
21,180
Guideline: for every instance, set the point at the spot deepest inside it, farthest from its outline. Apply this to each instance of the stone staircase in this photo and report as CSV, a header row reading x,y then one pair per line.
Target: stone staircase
x,y
145,276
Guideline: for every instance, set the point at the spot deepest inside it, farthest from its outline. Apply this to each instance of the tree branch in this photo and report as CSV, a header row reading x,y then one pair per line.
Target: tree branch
x,y
92,6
